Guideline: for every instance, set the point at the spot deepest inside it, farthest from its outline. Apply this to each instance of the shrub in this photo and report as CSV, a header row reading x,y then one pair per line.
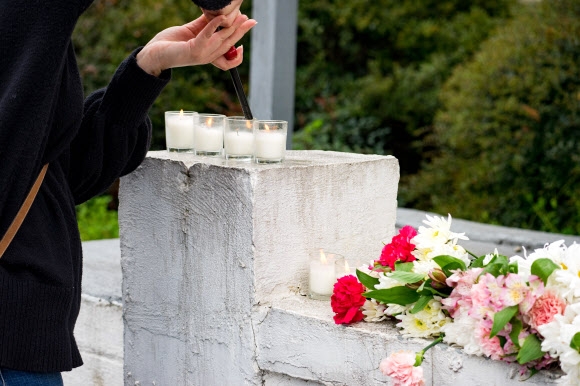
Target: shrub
x,y
507,134
369,74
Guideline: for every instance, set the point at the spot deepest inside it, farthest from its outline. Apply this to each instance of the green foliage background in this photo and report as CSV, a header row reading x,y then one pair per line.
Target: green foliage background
x,y
477,99
508,138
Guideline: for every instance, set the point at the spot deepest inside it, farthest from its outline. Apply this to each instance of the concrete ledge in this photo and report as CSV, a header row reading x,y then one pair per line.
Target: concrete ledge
x,y
99,329
297,337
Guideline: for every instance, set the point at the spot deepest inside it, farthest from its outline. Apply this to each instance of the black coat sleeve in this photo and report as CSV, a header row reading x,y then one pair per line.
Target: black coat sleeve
x,y
115,133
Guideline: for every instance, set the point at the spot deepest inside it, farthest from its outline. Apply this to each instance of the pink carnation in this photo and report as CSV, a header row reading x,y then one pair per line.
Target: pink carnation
x,y
544,309
400,366
400,248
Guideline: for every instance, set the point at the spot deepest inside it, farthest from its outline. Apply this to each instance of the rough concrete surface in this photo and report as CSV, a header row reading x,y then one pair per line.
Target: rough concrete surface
x,y
203,311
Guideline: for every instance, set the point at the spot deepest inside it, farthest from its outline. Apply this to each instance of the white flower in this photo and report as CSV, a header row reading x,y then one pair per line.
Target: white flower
x,y
461,333
425,323
396,309
385,282
438,233
450,249
487,258
554,251
557,337
374,311
424,267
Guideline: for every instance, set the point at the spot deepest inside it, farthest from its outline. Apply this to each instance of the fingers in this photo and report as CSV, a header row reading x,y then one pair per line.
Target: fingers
x,y
224,64
216,44
197,25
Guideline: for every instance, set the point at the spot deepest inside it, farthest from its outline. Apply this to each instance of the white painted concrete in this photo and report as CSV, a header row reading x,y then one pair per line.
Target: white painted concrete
x,y
205,243
291,340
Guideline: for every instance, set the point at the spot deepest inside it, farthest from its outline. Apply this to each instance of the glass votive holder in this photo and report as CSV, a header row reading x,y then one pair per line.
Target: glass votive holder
x,y
209,134
346,266
322,274
270,141
179,130
239,138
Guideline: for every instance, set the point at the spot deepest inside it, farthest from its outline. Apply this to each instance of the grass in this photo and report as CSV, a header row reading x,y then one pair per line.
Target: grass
x,y
96,221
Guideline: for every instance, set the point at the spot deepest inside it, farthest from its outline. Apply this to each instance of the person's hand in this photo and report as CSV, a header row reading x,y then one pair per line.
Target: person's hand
x,y
195,43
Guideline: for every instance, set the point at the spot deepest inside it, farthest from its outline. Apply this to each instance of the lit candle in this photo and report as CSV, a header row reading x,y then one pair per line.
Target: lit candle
x,y
346,267
322,274
179,130
209,134
270,141
239,138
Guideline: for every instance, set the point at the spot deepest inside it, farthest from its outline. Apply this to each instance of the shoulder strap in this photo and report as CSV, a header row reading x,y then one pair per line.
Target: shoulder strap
x,y
22,212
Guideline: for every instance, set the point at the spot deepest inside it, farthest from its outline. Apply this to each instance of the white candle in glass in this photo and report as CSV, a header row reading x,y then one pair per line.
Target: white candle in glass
x,y
209,134
239,143
270,141
322,274
239,138
179,130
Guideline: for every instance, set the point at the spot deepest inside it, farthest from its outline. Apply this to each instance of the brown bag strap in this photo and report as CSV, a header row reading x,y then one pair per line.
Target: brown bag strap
x,y
22,212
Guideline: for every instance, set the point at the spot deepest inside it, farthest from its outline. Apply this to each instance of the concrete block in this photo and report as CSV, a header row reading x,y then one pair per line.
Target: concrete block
x,y
206,243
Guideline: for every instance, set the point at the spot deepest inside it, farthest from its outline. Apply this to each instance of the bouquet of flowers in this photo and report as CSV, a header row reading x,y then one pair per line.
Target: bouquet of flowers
x,y
518,309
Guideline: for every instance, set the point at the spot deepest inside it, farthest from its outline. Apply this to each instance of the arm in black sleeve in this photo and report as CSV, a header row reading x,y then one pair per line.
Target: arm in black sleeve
x,y
115,133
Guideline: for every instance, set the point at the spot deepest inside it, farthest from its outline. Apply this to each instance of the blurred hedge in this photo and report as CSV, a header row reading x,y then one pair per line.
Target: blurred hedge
x,y
369,72
508,135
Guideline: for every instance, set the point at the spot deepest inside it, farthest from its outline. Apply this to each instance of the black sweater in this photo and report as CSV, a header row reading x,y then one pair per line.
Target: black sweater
x,y
43,119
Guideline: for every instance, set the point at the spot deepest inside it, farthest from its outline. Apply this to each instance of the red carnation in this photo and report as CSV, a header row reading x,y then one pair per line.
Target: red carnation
x,y
347,300
400,248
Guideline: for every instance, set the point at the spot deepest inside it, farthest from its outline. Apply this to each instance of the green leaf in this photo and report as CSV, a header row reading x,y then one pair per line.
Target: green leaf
x,y
444,260
397,295
513,267
543,268
502,341
367,280
531,350
421,303
516,329
406,277
426,288
403,267
575,342
477,263
501,318
495,269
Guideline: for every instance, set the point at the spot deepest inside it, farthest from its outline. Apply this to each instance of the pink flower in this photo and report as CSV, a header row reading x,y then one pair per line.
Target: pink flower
x,y
544,309
400,366
347,300
400,248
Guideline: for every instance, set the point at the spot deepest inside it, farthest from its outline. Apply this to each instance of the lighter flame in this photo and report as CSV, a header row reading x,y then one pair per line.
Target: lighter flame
x,y
323,257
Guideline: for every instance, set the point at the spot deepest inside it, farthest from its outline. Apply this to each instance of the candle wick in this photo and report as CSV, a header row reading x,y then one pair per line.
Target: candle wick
x,y
238,132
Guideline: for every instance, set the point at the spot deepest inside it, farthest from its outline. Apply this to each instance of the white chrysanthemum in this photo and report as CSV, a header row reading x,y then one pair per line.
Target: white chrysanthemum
x,y
554,251
450,249
461,333
438,233
396,309
557,337
424,267
374,311
425,323
385,282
